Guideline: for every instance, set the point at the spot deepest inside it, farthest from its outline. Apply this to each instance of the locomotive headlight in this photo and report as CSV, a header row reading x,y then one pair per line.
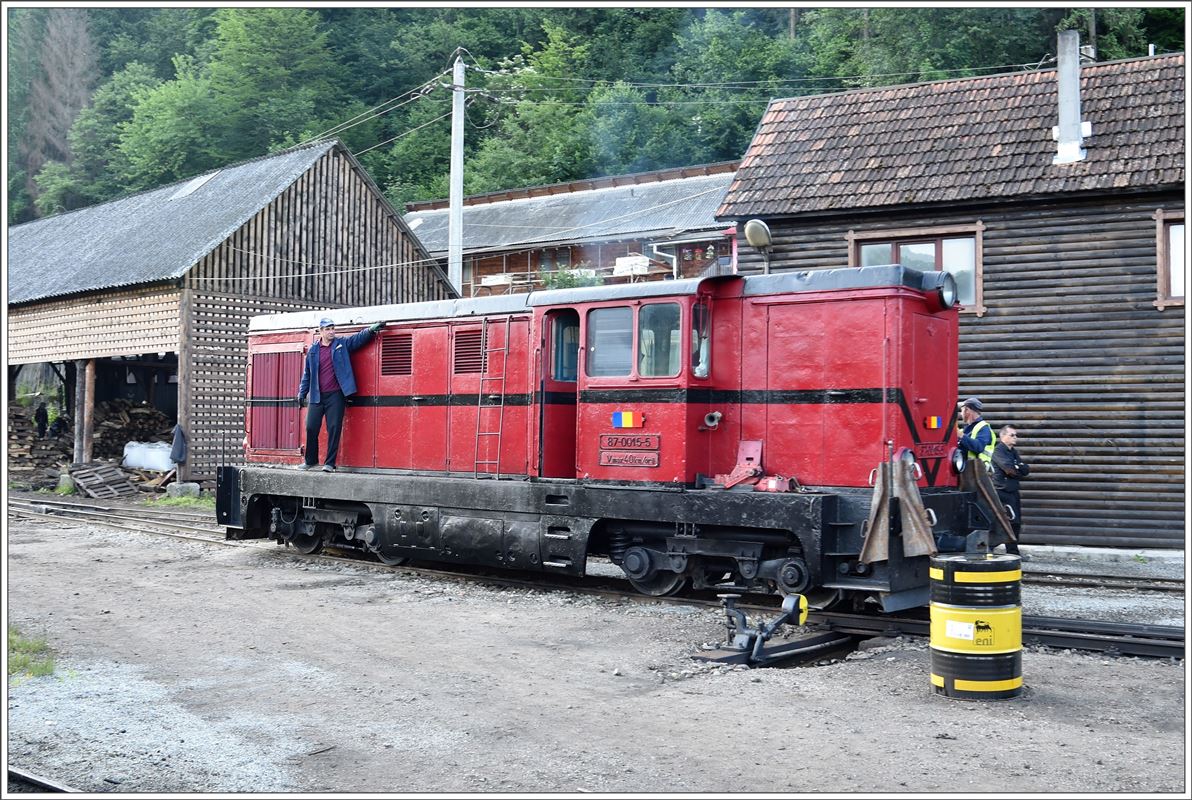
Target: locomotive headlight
x,y
947,291
943,286
959,460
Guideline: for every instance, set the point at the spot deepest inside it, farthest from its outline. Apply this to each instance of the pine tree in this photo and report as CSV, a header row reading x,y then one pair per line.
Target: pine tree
x,y
60,90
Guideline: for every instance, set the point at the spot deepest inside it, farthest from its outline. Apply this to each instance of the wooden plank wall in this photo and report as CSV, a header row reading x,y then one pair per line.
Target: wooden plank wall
x,y
1071,351
100,325
218,369
327,238
326,241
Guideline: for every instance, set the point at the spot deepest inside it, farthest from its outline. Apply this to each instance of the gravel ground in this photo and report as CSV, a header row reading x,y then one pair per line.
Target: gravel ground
x,y
185,667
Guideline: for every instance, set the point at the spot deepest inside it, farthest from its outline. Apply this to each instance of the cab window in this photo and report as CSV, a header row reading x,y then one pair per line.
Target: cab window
x,y
701,332
658,348
610,341
565,350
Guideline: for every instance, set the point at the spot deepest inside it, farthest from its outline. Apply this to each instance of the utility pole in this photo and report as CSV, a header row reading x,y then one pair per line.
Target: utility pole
x,y
455,215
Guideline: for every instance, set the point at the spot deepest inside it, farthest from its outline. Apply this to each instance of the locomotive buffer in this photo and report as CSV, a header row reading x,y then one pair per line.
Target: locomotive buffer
x,y
747,645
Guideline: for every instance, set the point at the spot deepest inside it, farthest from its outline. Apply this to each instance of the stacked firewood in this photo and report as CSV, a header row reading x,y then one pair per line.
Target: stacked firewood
x,y
32,462
118,422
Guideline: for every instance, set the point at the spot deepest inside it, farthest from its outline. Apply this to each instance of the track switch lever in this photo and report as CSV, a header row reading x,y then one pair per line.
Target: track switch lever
x,y
751,640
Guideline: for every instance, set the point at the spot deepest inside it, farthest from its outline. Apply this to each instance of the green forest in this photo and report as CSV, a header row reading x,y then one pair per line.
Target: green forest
x,y
104,102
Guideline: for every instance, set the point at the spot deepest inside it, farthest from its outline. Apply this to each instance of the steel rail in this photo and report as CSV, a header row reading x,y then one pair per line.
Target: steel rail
x,y
20,776
1172,586
174,512
1155,641
1152,641
144,528
103,516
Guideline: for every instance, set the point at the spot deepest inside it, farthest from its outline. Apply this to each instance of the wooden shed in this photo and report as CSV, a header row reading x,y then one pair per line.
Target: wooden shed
x,y
1071,273
159,286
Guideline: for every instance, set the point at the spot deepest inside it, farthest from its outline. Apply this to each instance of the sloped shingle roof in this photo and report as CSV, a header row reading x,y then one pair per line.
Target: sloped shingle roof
x,y
657,209
147,237
966,139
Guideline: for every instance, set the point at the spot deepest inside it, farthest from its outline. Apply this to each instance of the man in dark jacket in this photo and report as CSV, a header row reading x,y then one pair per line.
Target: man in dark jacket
x,y
42,418
327,376
1008,469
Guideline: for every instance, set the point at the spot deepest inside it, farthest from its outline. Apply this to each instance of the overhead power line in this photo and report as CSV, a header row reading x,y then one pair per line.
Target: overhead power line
x,y
402,135
758,83
418,93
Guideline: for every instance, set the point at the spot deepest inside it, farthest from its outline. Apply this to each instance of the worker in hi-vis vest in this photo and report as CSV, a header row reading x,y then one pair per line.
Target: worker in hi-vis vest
x,y
976,437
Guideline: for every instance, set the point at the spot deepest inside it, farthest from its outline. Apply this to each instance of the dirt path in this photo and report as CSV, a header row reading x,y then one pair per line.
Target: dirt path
x,y
188,667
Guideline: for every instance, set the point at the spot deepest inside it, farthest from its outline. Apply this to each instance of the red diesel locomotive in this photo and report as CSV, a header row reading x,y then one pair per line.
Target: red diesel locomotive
x,y
716,430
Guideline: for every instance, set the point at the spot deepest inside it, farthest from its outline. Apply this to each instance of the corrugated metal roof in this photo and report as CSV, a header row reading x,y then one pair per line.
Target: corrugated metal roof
x,y
963,140
659,209
151,236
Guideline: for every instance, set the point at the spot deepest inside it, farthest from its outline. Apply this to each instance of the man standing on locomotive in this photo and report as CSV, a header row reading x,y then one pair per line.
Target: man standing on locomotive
x,y
976,437
327,375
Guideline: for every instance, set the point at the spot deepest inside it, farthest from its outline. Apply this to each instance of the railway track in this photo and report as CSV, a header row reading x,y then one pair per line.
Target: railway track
x,y
180,524
1067,580
1115,638
24,782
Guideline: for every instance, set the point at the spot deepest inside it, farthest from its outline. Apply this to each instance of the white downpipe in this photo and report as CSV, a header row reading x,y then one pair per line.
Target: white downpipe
x,y
673,259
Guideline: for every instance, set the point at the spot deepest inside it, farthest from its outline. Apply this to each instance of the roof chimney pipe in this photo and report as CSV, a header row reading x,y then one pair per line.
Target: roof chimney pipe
x,y
1071,131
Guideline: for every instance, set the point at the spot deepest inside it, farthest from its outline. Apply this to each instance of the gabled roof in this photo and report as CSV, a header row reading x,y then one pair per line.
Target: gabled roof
x,y
651,209
152,236
960,140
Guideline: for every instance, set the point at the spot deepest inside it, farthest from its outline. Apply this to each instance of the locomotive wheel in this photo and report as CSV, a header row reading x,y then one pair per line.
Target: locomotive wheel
x,y
391,561
793,577
660,584
822,599
307,543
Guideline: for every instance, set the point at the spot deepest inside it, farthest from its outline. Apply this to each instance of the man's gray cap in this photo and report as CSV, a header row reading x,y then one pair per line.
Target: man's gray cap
x,y
972,403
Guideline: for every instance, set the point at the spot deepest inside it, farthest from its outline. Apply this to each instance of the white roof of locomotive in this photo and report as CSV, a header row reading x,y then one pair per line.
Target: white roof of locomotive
x,y
473,306
752,285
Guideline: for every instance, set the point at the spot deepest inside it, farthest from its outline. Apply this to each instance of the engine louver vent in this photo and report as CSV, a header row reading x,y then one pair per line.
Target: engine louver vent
x,y
469,352
397,354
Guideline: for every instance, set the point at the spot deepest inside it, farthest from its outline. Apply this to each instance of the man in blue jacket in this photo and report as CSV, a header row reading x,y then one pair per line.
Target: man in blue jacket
x,y
327,375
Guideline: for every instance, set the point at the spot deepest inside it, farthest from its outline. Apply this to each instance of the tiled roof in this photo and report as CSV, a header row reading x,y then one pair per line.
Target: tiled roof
x,y
657,210
962,140
151,236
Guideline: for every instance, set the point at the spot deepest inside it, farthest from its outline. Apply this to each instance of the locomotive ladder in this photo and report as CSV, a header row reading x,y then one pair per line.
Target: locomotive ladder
x,y
492,385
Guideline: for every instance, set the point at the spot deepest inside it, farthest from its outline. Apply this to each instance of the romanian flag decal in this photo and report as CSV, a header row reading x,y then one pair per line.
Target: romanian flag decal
x,y
931,423
627,419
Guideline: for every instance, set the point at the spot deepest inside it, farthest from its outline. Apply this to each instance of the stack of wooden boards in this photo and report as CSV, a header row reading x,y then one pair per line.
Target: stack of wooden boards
x,y
32,462
35,463
118,422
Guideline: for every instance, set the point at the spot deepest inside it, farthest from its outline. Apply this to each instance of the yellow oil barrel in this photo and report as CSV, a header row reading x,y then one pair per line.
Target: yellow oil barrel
x,y
976,626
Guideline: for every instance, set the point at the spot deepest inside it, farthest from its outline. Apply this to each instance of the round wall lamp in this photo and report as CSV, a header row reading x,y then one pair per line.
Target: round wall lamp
x,y
757,233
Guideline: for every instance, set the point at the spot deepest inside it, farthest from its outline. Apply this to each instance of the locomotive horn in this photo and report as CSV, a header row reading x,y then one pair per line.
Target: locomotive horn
x,y
712,420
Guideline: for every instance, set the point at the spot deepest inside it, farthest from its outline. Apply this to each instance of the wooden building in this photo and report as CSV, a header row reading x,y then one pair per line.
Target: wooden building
x,y
660,224
1071,273
157,288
